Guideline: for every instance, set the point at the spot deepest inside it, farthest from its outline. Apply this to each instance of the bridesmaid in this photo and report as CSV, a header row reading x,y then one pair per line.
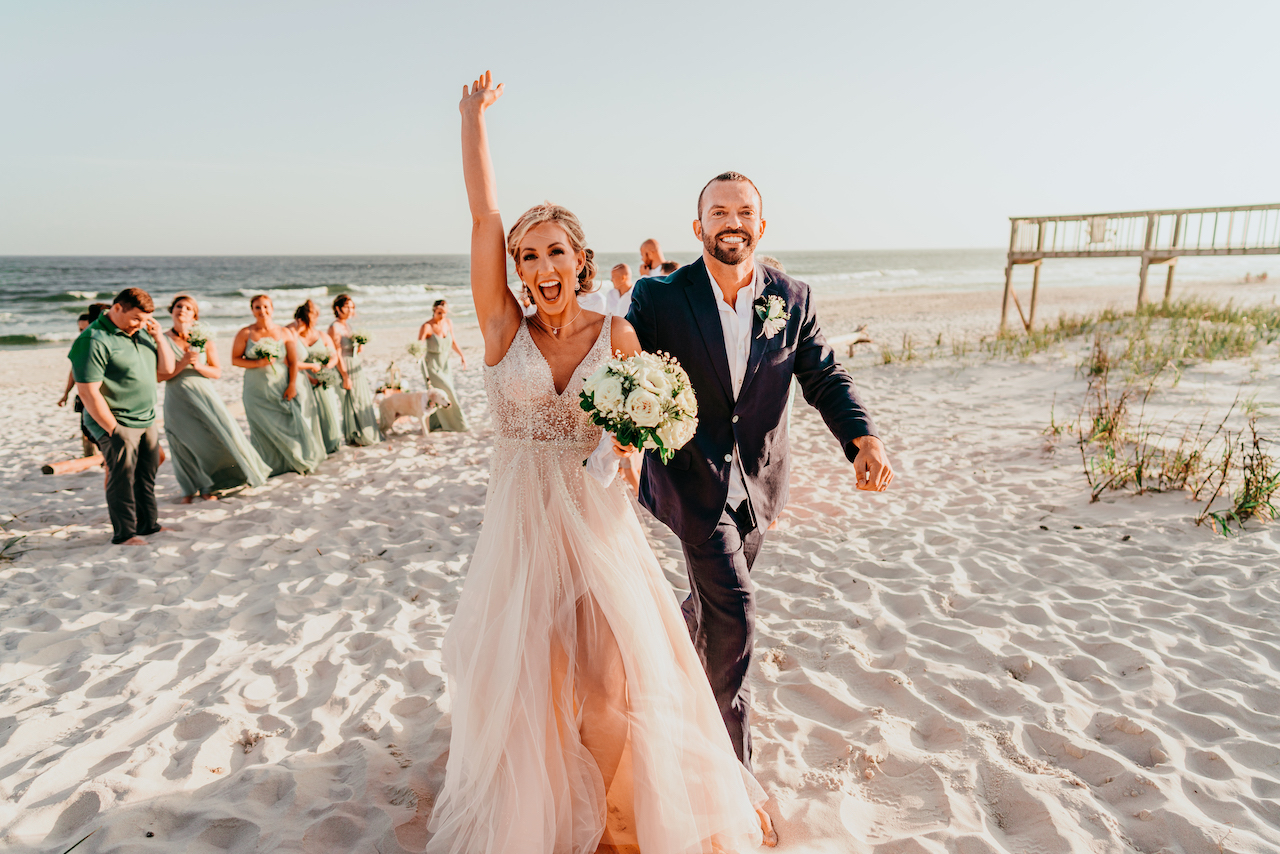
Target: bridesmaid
x,y
320,354
438,333
282,426
359,417
210,452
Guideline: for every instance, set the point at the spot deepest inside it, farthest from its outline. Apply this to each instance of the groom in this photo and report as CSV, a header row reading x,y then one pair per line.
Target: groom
x,y
742,331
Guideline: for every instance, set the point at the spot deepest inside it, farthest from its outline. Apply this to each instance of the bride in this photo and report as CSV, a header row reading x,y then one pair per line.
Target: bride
x,y
582,719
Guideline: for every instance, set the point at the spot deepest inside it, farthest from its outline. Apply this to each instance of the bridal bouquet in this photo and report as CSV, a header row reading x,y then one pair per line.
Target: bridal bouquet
x,y
198,337
646,401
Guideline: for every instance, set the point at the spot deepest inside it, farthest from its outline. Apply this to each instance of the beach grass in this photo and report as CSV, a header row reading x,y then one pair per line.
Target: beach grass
x,y
1130,358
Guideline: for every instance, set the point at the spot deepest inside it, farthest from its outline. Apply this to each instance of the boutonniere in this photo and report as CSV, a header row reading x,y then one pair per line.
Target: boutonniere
x,y
773,315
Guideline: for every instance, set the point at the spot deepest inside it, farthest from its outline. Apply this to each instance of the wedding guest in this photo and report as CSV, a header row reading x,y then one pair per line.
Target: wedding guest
x,y
438,333
619,302
282,427
619,299
321,354
88,447
116,371
359,416
593,301
210,451
651,259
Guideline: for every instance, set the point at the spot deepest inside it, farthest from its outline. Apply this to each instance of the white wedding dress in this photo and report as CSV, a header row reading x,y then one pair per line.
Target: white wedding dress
x,y
581,715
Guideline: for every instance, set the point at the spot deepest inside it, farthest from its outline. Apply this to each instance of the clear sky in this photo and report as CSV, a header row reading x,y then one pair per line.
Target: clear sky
x,y
332,127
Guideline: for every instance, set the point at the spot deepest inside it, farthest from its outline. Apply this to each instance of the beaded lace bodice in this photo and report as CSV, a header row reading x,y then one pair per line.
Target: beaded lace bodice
x,y
523,399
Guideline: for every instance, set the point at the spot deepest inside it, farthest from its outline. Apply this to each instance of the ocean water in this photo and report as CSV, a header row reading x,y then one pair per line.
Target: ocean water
x,y
40,297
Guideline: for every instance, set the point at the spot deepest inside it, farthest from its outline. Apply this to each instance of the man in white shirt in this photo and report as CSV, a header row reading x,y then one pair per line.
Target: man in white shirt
x,y
619,299
595,301
651,259
741,331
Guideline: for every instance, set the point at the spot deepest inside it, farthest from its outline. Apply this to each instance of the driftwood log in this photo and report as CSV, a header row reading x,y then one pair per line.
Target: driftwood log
x,y
83,463
72,466
852,340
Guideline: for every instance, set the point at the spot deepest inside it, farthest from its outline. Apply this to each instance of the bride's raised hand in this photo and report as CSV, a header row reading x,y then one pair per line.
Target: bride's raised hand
x,y
480,95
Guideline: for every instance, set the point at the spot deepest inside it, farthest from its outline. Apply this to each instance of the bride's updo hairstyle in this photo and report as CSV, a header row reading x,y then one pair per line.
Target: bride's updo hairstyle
x,y
563,217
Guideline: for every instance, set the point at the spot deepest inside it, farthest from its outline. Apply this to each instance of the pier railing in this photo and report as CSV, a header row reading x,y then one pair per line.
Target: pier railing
x,y
1157,237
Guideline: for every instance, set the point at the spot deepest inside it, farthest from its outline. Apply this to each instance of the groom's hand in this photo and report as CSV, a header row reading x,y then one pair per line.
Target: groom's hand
x,y
871,465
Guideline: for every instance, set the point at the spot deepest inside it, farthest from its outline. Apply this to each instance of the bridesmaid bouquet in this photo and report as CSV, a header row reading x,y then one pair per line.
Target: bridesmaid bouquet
x,y
319,354
646,401
328,378
266,348
359,337
198,337
418,350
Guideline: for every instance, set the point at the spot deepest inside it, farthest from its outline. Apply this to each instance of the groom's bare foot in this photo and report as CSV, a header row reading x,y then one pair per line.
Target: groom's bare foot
x,y
133,541
766,827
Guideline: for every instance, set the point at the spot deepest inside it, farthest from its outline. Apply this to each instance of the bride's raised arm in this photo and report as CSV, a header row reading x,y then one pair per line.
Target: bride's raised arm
x,y
497,310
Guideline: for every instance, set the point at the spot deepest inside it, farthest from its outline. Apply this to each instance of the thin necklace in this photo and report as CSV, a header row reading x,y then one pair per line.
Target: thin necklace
x,y
555,330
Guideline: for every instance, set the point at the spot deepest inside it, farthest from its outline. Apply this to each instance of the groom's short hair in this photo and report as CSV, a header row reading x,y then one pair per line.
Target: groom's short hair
x,y
729,176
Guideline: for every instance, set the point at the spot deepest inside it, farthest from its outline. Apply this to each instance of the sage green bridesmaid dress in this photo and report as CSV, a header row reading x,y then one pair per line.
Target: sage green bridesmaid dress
x,y
359,416
210,451
328,407
435,370
285,433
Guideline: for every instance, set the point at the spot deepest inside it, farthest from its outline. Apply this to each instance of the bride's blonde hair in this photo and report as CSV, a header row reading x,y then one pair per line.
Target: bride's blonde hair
x,y
563,217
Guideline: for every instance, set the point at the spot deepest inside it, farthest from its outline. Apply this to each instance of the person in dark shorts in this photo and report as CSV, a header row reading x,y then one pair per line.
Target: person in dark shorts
x,y
87,444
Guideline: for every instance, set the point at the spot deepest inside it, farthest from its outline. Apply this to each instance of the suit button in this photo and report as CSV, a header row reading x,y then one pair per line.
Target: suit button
x,y
735,419
728,458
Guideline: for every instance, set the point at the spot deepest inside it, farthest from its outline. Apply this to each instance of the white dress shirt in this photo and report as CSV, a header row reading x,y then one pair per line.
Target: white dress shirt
x,y
619,303
735,322
594,301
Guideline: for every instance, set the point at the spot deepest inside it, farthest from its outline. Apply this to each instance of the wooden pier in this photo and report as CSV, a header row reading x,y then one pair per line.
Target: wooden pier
x,y
1157,237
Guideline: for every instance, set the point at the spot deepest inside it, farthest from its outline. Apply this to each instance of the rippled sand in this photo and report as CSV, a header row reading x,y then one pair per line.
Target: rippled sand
x,y
978,661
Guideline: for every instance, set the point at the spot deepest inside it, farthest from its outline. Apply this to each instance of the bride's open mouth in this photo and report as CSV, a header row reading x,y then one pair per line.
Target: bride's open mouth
x,y
550,290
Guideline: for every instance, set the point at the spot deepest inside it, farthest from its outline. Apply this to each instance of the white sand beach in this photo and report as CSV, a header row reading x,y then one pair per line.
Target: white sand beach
x,y
977,661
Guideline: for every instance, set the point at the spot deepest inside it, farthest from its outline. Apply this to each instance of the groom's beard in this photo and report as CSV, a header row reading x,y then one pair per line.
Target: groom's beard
x,y
733,256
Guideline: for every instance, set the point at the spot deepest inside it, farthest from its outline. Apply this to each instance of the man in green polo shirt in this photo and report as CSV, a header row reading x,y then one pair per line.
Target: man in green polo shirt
x,y
116,370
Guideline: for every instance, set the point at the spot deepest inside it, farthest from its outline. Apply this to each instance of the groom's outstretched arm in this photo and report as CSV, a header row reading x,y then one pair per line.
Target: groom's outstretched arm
x,y
828,386
641,315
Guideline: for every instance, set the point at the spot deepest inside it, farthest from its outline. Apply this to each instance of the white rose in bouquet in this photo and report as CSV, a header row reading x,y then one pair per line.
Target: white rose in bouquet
x,y
591,383
644,408
669,434
686,400
609,395
655,381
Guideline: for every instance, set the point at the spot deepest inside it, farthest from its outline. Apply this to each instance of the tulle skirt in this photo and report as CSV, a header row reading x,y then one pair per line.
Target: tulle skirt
x,y
581,715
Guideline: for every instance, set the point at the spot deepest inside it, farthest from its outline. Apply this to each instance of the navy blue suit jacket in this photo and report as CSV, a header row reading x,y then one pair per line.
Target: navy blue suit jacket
x,y
677,314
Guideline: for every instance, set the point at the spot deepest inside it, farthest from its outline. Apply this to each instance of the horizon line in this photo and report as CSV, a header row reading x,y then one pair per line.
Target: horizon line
x,y
1001,249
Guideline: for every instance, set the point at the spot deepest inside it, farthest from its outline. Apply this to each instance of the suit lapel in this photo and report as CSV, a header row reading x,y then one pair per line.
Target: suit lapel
x,y
702,302
759,344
